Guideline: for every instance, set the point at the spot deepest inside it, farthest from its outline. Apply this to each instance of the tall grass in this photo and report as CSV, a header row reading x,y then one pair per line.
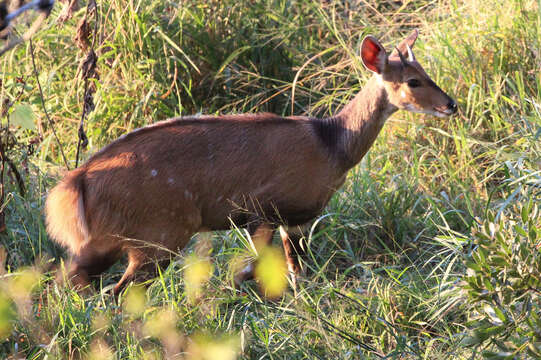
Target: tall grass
x,y
386,264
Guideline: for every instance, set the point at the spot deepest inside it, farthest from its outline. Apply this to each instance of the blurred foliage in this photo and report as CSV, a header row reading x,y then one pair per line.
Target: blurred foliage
x,y
271,272
197,273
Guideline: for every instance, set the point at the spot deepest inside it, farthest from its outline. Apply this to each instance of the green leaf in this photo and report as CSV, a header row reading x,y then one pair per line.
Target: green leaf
x,y
498,260
533,234
473,265
470,340
486,332
524,213
23,116
497,356
232,57
500,314
534,350
520,230
492,316
488,285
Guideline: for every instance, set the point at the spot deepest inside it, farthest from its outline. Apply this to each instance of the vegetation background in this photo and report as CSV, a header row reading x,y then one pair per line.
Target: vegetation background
x,y
431,249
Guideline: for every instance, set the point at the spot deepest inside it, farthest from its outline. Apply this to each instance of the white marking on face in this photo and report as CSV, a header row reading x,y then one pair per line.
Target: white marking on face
x,y
153,172
439,114
412,108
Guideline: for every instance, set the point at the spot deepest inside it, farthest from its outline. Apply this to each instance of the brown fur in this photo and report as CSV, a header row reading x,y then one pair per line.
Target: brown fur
x,y
151,190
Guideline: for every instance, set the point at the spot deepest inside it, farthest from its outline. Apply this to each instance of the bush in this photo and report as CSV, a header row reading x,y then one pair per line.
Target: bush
x,y
503,285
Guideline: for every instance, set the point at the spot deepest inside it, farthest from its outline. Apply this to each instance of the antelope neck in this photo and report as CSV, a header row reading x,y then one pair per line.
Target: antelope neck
x,y
360,121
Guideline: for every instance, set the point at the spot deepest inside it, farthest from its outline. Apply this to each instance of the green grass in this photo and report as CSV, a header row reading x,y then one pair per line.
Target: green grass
x,y
396,266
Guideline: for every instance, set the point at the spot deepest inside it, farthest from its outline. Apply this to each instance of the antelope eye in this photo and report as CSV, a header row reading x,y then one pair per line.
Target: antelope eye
x,y
412,83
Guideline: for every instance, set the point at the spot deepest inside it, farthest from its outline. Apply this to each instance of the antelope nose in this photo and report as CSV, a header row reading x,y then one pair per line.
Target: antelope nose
x,y
452,106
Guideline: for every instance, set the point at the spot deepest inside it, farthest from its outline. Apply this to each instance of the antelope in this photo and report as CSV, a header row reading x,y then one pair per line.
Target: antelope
x,y
165,182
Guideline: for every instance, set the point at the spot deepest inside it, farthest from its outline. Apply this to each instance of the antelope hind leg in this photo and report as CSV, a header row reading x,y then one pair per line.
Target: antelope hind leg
x,y
261,234
87,265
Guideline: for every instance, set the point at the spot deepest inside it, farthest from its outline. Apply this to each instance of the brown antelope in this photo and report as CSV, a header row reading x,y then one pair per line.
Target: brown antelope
x,y
162,183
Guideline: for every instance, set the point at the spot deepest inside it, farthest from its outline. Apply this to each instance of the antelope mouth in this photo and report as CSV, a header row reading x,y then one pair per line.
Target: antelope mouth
x,y
443,112
436,111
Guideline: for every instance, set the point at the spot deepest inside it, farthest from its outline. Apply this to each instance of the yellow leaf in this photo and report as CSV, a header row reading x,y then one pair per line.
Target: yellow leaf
x,y
161,324
7,315
135,301
197,272
271,271
212,348
20,285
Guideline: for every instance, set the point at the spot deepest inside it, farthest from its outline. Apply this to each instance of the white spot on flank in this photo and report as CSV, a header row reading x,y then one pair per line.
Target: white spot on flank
x,y
153,172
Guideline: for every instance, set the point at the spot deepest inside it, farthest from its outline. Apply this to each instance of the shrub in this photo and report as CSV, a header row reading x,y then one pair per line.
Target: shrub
x,y
503,285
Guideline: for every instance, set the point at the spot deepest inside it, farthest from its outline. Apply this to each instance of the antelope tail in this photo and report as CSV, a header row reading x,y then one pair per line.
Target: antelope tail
x,y
65,213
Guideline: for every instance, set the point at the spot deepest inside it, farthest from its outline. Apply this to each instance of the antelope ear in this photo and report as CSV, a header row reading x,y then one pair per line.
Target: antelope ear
x,y
373,54
403,46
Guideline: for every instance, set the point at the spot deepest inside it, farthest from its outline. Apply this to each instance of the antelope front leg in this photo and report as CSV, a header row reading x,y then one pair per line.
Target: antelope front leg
x,y
292,249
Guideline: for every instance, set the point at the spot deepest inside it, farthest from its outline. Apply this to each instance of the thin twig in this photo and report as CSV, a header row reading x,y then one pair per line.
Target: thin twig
x,y
43,105
14,170
4,160
2,186
88,71
83,140
4,146
18,177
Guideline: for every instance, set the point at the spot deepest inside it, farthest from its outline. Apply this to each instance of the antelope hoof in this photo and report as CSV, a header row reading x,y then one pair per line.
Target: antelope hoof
x,y
247,273
294,271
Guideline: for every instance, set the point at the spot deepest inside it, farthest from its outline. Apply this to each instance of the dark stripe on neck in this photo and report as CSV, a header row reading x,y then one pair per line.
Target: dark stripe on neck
x,y
330,131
